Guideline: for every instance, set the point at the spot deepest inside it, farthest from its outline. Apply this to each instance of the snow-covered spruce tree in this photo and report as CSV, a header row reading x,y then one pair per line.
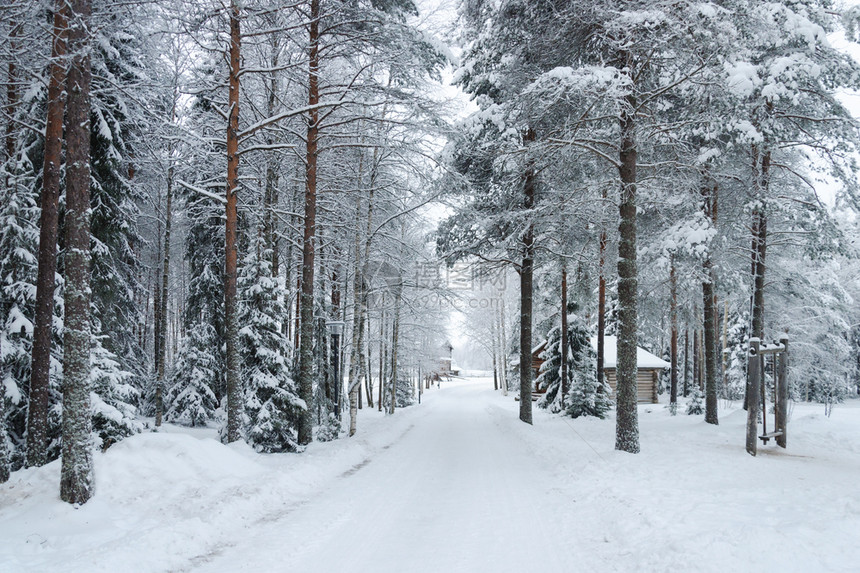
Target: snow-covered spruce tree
x,y
585,397
116,244
549,376
113,415
694,405
272,407
18,240
190,396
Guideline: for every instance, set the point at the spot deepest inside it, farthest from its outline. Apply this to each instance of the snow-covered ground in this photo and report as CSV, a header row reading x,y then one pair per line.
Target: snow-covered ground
x,y
458,484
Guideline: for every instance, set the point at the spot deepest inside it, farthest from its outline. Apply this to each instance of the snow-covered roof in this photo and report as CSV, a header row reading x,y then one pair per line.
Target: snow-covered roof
x,y
644,359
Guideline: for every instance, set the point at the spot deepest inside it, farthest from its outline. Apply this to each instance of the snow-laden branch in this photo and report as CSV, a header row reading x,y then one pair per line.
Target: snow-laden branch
x,y
202,191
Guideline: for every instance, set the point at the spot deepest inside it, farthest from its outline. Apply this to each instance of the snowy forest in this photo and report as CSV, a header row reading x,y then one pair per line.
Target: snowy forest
x,y
266,220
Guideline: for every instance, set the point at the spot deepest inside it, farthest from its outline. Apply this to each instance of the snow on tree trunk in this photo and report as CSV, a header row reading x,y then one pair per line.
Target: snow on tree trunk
x,y
601,301
565,386
306,385
37,415
673,343
231,311
76,478
627,423
162,330
527,293
709,308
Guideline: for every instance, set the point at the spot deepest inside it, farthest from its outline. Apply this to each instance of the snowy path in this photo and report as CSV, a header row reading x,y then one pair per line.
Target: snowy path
x,y
457,484
454,494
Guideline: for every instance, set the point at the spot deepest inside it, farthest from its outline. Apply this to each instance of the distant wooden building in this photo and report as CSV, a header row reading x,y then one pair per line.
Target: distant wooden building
x,y
648,368
446,366
647,373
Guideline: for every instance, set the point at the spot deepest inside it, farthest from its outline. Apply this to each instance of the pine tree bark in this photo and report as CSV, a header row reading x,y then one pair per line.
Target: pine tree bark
x,y
162,329
37,414
503,348
306,327
395,345
761,174
565,382
709,308
231,310
76,474
601,303
527,292
627,423
673,341
686,361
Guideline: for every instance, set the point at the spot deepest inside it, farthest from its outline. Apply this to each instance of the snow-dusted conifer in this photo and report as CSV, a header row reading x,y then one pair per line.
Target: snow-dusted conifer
x,y
113,415
272,406
190,395
694,405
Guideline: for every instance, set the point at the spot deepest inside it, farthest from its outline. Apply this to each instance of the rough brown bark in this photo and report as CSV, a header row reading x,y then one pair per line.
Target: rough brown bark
x,y
601,304
37,415
395,344
162,329
686,361
673,340
306,327
527,293
627,423
231,318
564,350
76,477
709,308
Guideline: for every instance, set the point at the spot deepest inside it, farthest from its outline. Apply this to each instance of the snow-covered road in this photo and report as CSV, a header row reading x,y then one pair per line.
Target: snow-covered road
x,y
454,493
457,484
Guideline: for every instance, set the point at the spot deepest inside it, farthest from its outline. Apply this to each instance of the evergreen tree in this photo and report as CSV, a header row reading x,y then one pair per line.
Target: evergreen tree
x,y
190,397
694,405
272,407
585,396
549,375
113,415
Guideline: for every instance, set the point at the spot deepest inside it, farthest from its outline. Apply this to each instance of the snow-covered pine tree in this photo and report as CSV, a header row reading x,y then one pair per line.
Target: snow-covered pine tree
x,y
113,415
694,405
116,242
586,397
19,238
190,399
549,375
272,406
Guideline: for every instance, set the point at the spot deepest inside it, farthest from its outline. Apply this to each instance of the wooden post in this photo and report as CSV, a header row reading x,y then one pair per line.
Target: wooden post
x,y
753,374
782,392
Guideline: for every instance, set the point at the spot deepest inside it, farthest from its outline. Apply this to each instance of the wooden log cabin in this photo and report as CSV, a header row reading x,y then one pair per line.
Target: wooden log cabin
x,y
648,369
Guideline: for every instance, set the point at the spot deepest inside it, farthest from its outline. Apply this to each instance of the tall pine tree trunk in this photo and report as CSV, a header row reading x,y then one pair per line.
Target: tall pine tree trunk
x,y
306,327
37,415
76,477
565,382
527,291
673,341
627,423
710,324
503,348
162,329
761,173
601,303
231,310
